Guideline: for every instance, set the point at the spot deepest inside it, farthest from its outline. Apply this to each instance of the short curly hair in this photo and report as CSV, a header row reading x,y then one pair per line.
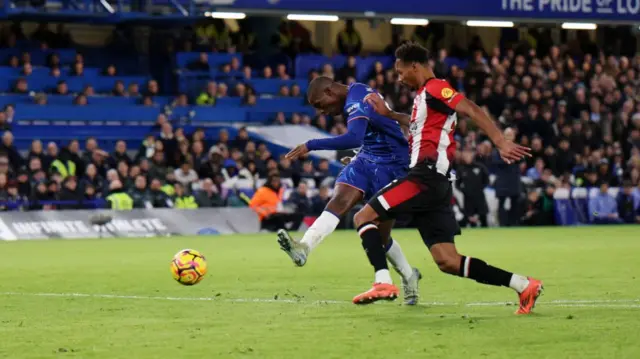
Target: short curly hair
x,y
412,52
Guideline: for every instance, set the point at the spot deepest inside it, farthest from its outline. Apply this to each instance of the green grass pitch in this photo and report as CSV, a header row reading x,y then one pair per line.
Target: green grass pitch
x,y
116,299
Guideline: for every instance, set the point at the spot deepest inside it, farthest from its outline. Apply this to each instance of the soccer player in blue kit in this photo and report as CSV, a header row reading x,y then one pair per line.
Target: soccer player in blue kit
x,y
382,158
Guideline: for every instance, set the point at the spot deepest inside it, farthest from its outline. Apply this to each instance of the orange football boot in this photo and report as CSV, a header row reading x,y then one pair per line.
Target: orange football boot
x,y
529,296
379,291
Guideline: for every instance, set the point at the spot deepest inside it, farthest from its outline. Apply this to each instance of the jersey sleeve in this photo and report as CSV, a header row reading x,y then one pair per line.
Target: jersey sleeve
x,y
356,108
441,90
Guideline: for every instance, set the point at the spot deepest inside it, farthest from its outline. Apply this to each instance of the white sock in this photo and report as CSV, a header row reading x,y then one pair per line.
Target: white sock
x,y
518,283
320,229
383,276
399,261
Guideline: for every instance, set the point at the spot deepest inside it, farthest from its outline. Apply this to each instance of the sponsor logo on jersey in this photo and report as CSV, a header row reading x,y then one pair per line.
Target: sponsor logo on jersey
x,y
447,92
353,108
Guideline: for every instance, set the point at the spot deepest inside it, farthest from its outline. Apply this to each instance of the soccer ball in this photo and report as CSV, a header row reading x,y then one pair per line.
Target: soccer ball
x,y
188,267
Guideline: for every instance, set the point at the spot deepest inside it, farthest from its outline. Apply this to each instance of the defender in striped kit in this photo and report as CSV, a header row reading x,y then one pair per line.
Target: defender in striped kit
x,y
426,191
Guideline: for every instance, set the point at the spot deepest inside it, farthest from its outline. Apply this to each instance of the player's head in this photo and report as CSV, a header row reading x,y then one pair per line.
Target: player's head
x,y
411,60
324,95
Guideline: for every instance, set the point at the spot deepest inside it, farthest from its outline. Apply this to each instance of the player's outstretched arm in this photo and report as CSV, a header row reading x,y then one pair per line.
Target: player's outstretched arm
x,y
509,151
381,107
354,137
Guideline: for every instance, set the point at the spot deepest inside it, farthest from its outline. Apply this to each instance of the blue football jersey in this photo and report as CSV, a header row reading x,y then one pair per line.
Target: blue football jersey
x,y
384,141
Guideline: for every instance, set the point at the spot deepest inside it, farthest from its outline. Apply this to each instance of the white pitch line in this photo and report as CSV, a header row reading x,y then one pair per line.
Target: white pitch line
x,y
595,303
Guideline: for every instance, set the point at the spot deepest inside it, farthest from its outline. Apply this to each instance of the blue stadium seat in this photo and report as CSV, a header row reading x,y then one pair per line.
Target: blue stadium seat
x,y
272,86
215,59
306,63
338,62
229,102
580,203
38,56
278,104
85,113
214,114
365,65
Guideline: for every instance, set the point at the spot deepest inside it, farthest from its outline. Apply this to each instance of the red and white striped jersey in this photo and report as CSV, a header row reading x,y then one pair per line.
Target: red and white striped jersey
x,y
433,121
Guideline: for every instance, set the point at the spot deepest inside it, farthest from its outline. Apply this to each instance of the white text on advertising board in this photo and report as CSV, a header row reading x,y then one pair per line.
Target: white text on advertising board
x,y
620,7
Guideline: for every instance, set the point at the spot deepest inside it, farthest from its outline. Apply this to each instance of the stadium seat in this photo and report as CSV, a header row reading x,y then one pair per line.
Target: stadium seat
x,y
306,63
215,59
272,86
85,113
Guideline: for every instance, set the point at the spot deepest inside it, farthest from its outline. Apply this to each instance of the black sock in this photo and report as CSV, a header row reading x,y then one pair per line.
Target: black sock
x,y
372,244
481,272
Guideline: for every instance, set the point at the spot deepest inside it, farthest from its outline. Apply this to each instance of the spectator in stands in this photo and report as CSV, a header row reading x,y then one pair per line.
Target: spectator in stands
x,y
110,71
147,148
507,186
43,34
140,194
349,70
222,90
40,99
319,202
80,100
35,150
247,73
70,193
186,175
208,196
180,101
13,62
92,178
300,199
349,40
21,86
472,179
240,90
281,72
5,168
88,91
9,149
159,198
214,35
55,72
327,70
152,88
603,208
27,70
118,89
77,70
201,64
284,91
267,73
250,100
267,202
4,125
628,208
208,96
61,88
119,154
182,199
133,90
118,199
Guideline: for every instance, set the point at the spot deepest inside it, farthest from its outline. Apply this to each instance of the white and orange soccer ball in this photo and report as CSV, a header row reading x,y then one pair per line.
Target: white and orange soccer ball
x,y
188,267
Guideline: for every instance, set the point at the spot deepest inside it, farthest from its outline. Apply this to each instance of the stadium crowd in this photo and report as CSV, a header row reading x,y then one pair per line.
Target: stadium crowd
x,y
579,112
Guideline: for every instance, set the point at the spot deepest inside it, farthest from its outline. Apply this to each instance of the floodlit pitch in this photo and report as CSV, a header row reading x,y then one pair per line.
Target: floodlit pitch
x,y
115,299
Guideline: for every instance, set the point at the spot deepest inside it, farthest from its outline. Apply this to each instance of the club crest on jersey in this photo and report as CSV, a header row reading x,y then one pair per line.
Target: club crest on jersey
x,y
353,108
414,127
447,92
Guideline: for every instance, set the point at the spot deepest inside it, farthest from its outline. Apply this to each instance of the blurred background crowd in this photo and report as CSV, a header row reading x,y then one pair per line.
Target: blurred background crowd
x,y
575,103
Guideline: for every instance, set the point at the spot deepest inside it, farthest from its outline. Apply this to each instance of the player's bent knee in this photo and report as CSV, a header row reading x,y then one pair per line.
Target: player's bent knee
x,y
365,215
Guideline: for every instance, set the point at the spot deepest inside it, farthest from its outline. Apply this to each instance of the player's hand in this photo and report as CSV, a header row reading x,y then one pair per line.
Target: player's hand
x,y
378,104
297,152
512,152
346,160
